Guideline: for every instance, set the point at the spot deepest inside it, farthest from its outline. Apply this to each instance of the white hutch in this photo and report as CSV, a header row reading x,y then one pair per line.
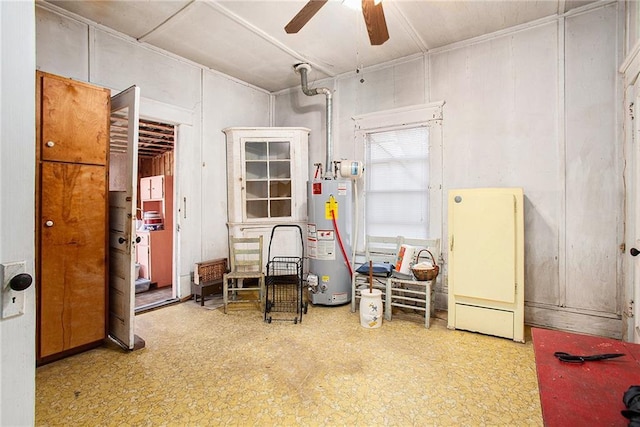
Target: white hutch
x,y
267,174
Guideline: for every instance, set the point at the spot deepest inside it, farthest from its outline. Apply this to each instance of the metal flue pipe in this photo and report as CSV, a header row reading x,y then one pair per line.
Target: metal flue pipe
x,y
303,69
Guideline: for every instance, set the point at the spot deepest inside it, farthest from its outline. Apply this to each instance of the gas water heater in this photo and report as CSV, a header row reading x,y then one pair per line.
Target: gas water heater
x,y
329,241
329,217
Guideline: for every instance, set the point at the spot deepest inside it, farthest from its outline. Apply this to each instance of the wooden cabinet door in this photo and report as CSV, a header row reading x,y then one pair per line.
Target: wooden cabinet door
x,y
160,257
142,255
152,188
72,256
74,121
145,189
157,187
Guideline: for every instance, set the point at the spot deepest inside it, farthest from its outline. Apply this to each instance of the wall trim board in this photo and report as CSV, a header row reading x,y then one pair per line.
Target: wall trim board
x,y
412,114
562,165
462,44
96,26
158,27
260,33
415,36
621,163
523,27
168,113
580,311
552,318
630,67
351,74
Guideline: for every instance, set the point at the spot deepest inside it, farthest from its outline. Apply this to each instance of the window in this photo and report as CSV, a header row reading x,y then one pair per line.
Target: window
x,y
397,182
402,186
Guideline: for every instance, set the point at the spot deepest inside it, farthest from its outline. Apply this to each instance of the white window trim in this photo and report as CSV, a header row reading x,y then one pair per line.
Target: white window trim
x,y
429,115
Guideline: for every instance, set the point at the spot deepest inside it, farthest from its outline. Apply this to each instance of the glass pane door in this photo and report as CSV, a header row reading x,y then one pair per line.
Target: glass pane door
x,y
268,179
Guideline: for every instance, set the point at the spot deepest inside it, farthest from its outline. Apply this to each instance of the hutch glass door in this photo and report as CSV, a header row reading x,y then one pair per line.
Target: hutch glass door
x,y
268,179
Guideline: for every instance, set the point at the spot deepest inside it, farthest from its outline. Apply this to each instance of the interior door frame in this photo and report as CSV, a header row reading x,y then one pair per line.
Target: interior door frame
x,y
130,99
183,120
632,310
630,71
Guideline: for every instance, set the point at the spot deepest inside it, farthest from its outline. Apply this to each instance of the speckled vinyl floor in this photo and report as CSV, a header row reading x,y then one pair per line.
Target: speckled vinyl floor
x,y
201,367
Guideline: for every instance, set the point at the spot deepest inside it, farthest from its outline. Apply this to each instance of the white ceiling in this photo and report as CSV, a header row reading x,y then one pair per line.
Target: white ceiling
x,y
246,39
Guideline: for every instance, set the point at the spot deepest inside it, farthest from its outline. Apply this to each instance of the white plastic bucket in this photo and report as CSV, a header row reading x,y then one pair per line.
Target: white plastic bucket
x,y
371,308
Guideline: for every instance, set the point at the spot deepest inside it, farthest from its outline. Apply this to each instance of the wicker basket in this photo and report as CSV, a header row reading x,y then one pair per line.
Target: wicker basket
x,y
425,273
209,271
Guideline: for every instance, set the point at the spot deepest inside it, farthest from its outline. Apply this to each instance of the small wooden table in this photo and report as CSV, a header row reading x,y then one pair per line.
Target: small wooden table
x,y
205,289
207,278
588,394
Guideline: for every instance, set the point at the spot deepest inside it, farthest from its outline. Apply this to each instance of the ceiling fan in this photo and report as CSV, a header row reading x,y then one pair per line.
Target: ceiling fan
x,y
372,12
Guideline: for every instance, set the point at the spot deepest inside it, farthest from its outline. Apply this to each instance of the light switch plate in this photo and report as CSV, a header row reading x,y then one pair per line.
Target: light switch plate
x,y
12,301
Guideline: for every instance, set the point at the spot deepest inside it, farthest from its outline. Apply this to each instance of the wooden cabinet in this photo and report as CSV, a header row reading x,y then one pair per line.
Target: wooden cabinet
x,y
71,215
267,174
154,254
152,188
74,121
155,249
142,254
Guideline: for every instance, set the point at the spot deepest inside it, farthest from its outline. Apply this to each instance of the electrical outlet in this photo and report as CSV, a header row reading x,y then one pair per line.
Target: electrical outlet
x,y
12,301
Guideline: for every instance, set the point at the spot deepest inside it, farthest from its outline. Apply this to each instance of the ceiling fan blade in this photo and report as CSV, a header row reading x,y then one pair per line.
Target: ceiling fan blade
x,y
305,14
376,24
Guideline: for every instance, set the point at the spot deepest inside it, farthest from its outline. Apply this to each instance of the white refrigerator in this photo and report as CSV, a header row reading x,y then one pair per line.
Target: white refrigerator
x,y
486,261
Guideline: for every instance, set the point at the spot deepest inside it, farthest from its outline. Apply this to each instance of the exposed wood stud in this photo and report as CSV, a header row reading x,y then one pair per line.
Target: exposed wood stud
x,y
154,138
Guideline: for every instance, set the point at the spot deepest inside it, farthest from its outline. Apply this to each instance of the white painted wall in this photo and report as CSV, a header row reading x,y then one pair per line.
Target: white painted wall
x,y
537,108
173,90
228,104
17,186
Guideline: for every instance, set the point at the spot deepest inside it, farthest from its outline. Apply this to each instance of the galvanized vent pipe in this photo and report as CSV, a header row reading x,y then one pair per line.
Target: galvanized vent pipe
x,y
303,69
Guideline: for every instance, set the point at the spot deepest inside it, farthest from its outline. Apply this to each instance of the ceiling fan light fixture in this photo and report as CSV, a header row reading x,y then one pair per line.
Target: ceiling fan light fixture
x,y
371,10
357,4
353,4
376,22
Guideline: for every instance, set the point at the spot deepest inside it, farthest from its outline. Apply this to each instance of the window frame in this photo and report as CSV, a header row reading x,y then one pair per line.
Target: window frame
x,y
429,115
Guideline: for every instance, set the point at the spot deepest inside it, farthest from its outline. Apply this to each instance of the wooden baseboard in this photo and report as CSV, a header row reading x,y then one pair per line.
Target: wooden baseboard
x,y
555,318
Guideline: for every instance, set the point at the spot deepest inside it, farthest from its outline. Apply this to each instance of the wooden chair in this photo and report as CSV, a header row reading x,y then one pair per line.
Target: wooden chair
x,y
378,249
409,293
397,290
245,255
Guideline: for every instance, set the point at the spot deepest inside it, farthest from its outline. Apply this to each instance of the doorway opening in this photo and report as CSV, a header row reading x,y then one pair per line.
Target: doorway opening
x,y
154,278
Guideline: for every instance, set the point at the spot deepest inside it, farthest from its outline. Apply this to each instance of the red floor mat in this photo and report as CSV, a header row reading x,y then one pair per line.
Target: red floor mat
x,y
588,394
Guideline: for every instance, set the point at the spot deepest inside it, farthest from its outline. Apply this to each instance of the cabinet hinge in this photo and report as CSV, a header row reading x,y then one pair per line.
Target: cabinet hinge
x,y
631,111
630,309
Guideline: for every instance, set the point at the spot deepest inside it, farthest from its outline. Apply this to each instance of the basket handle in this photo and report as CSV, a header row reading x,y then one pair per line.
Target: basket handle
x,y
432,257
